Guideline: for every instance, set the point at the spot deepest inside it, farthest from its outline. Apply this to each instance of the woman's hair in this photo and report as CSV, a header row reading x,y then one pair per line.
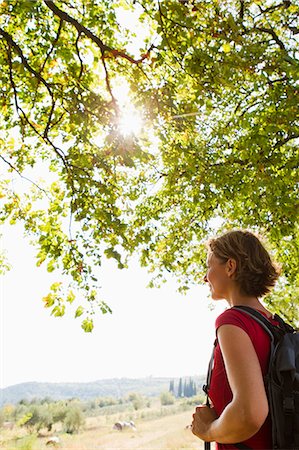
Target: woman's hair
x,y
255,274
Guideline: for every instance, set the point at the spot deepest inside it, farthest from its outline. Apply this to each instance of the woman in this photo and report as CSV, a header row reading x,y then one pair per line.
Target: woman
x,y
241,272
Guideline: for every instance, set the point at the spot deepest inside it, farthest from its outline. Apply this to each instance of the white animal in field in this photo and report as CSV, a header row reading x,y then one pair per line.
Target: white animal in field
x,y
120,426
54,440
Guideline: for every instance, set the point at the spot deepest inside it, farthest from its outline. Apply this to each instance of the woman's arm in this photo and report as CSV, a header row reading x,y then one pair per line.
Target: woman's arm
x,y
246,413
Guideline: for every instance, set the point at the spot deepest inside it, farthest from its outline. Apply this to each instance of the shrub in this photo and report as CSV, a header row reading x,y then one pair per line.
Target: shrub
x,y
59,411
167,398
137,400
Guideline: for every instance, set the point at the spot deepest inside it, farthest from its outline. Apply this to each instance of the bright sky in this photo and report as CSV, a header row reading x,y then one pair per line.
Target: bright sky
x,y
154,332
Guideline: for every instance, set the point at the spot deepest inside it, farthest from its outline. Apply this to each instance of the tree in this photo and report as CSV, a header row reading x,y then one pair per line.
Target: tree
x,y
33,418
74,419
185,390
167,398
171,386
59,411
217,84
194,389
36,416
189,389
180,388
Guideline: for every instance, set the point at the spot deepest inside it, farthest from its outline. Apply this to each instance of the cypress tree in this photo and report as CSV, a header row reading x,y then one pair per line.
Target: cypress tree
x,y
171,386
194,388
180,388
185,390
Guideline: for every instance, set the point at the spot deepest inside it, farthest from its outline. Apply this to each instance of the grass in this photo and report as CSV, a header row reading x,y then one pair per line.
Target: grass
x,y
157,429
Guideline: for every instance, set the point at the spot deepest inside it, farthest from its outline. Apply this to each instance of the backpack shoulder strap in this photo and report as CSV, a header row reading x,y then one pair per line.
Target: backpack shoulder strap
x,y
274,332
286,327
206,386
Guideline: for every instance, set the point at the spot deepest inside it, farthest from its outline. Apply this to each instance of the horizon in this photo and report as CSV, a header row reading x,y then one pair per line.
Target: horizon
x,y
183,377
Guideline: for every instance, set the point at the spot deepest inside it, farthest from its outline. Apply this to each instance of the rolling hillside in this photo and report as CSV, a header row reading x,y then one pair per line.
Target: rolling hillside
x,y
115,387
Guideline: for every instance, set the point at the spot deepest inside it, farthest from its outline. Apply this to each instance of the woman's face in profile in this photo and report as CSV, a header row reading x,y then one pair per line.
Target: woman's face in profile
x,y
217,277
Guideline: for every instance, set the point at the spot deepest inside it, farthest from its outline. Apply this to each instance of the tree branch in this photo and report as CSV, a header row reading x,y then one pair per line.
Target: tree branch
x,y
58,120
278,80
285,4
109,89
79,27
275,38
252,105
52,46
82,29
46,131
49,53
242,8
18,49
294,30
19,109
273,34
247,94
79,56
286,140
37,75
22,176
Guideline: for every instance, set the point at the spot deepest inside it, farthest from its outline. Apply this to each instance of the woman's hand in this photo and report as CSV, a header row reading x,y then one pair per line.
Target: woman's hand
x,y
202,419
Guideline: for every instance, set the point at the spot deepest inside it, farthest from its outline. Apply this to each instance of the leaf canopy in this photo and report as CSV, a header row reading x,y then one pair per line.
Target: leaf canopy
x,y
216,84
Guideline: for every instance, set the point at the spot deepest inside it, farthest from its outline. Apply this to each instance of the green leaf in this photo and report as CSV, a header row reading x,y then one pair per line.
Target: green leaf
x,y
87,325
58,310
70,296
79,311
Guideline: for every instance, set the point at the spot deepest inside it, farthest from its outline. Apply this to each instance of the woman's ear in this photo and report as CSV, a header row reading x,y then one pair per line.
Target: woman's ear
x,y
231,267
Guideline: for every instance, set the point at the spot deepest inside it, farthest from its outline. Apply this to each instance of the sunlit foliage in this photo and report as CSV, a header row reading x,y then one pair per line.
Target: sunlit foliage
x,y
214,88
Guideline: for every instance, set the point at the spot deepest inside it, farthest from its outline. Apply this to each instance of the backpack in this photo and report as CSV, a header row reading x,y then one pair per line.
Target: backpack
x,y
281,381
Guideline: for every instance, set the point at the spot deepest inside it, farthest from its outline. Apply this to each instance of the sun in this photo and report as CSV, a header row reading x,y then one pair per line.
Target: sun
x,y
130,120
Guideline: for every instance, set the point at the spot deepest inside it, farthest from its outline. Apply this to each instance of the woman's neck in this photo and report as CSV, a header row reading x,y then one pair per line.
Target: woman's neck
x,y
252,302
237,299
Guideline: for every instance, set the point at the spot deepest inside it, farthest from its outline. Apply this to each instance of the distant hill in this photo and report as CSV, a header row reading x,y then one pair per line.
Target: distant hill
x,y
115,387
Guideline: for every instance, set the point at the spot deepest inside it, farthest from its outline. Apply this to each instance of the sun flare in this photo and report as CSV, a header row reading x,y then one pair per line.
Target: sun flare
x,y
130,120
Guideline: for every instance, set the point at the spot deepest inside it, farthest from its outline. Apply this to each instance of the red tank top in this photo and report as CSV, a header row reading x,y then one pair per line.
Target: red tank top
x,y
220,392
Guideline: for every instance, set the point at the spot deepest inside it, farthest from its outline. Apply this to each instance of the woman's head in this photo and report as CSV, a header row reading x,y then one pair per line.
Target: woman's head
x,y
254,272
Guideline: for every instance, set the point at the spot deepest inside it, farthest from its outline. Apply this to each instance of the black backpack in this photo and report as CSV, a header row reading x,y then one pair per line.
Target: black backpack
x,y
281,381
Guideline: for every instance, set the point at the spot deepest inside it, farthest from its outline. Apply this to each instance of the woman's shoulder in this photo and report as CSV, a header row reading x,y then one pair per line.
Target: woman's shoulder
x,y
230,313
233,317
